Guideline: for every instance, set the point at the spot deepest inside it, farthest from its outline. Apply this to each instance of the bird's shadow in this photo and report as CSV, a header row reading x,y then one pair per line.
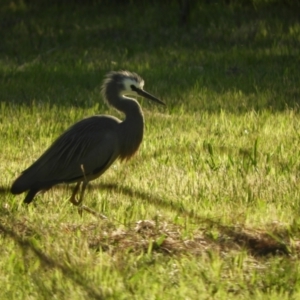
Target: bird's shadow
x,y
145,196
259,246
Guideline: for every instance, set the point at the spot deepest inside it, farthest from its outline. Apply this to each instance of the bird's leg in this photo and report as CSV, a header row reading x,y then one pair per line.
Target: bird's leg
x,y
79,202
83,207
83,187
73,197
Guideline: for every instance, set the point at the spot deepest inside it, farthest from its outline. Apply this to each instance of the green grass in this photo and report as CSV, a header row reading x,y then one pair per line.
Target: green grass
x,y
209,207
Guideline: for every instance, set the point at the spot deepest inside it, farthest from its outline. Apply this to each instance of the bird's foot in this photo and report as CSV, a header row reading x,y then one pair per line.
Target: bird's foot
x,y
74,201
91,211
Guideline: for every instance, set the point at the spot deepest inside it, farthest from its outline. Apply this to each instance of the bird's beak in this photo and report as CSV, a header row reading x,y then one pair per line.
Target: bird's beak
x,y
146,95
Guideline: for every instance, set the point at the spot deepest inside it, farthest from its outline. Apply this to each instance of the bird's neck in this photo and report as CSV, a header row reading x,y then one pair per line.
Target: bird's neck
x,y
132,128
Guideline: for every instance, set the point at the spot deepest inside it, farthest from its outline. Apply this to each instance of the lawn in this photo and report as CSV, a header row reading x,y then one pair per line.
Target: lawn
x,y
209,206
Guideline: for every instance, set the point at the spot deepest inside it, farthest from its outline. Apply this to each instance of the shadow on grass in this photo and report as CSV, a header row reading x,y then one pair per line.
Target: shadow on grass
x,y
48,261
62,59
4,189
257,243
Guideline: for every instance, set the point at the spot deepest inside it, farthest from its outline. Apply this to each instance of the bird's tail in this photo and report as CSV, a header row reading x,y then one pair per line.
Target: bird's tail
x,y
29,197
21,184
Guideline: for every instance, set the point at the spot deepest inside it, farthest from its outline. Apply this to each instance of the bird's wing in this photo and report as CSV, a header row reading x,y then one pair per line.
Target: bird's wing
x,y
87,148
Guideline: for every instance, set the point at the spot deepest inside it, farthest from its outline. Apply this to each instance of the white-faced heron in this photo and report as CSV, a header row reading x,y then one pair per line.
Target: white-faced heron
x,y
89,147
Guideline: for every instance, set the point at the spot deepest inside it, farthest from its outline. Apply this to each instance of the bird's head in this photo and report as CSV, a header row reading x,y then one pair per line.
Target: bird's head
x,y
131,82
128,83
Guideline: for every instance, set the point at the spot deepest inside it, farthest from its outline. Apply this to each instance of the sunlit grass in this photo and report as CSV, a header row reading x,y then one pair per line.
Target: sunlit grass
x,y
208,207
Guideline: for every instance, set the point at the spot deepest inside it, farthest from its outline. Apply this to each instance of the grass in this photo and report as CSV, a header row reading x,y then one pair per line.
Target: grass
x,y
209,207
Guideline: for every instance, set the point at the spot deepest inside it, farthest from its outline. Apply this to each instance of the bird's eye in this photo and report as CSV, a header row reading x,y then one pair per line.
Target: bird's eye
x,y
133,87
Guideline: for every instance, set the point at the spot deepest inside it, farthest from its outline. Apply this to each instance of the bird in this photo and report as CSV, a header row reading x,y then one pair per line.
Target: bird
x,y
89,147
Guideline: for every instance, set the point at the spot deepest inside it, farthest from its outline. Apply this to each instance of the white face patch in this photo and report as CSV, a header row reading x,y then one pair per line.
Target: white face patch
x,y
127,85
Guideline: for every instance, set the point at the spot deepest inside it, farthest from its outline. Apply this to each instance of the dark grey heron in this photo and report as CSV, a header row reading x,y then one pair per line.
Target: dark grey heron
x,y
89,147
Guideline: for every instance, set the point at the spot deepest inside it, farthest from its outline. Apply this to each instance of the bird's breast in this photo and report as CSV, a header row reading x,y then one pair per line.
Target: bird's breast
x,y
131,138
